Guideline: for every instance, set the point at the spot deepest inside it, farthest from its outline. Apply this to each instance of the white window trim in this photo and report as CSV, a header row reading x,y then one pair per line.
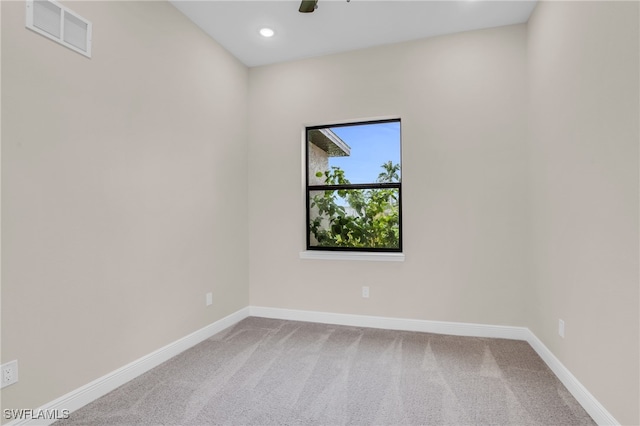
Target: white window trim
x,y
352,255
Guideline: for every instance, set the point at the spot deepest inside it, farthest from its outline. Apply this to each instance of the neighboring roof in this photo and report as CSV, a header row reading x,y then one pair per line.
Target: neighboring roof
x,y
329,142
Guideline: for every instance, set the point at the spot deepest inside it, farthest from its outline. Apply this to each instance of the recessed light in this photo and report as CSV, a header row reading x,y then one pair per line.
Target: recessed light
x,y
267,32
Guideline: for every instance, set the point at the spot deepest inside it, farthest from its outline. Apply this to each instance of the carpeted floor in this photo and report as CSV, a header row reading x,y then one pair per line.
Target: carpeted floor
x,y
267,372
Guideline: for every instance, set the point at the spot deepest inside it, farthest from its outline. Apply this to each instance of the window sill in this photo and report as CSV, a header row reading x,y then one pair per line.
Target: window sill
x,y
350,255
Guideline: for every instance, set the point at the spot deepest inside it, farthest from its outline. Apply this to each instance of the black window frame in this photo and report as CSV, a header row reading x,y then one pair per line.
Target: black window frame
x,y
310,188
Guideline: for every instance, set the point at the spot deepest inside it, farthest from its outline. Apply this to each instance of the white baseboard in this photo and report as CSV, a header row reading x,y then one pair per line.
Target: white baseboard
x,y
591,405
99,387
440,327
105,384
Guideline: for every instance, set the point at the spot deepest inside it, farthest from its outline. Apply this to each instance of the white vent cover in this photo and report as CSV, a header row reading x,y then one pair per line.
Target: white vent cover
x,y
60,24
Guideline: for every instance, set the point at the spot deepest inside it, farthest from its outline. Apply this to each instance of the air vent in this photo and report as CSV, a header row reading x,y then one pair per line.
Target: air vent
x,y
54,21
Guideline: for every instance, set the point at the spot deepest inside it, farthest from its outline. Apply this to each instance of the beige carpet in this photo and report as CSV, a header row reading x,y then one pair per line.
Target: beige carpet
x,y
267,372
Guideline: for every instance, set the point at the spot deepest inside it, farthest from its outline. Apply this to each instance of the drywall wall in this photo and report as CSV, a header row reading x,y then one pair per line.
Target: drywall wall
x,y
123,193
462,101
583,75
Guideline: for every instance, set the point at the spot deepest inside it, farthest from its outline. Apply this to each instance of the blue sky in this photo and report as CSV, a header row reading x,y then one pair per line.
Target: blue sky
x,y
371,146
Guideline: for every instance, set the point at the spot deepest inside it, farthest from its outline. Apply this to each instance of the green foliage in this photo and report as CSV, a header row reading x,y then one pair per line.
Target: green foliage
x,y
357,217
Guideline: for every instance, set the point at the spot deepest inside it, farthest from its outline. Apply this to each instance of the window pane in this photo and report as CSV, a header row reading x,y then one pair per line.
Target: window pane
x,y
355,218
354,154
75,31
46,16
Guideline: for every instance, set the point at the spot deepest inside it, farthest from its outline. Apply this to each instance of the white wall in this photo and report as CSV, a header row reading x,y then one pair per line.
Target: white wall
x,y
584,114
124,182
462,100
520,184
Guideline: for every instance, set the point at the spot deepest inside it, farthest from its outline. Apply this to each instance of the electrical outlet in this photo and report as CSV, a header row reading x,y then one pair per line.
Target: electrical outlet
x,y
9,373
365,292
209,299
561,328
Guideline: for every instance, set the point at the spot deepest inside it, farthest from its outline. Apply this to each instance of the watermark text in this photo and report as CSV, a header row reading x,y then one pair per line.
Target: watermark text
x,y
37,414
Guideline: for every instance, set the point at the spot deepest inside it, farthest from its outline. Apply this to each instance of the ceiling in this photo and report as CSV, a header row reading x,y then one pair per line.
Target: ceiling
x,y
339,26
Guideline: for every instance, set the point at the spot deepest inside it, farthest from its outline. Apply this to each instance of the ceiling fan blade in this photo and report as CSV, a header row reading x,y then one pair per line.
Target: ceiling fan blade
x,y
307,6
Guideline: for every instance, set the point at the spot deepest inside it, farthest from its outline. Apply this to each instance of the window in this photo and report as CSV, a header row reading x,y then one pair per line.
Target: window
x,y
354,187
54,21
